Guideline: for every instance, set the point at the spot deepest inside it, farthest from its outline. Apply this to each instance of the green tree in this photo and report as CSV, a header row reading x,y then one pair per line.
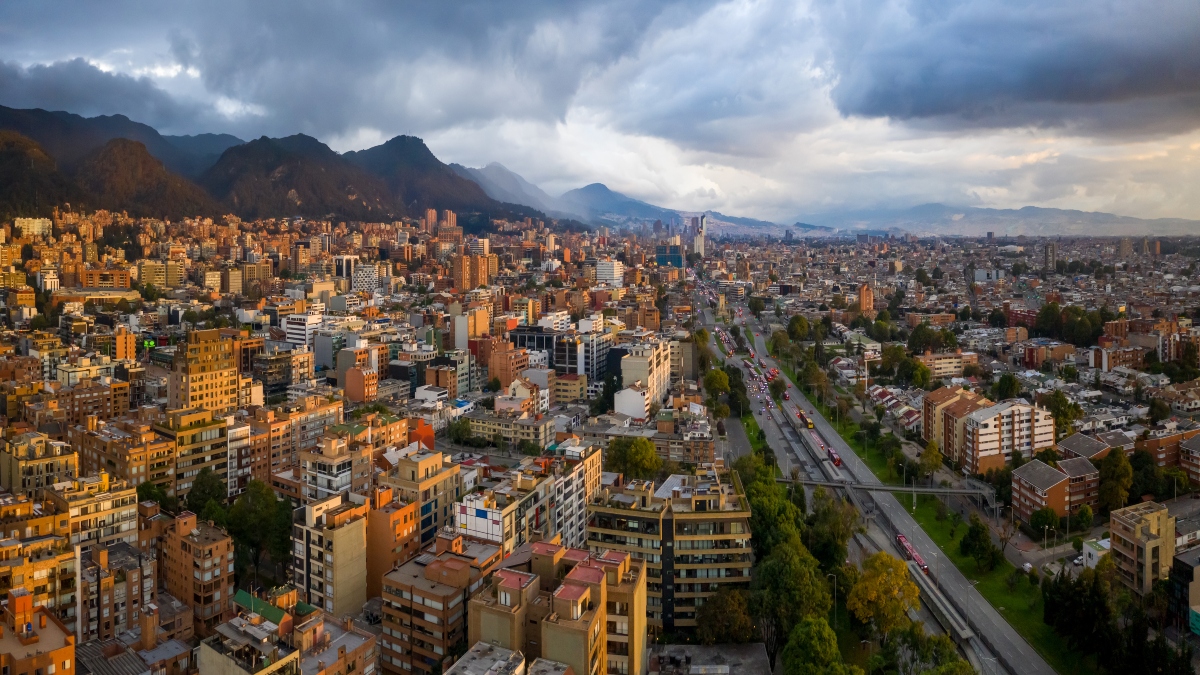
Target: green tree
x,y
812,649
798,328
1042,519
977,544
207,486
884,594
716,382
1082,520
777,387
1008,386
151,492
829,527
724,618
931,459
1159,410
251,520
922,377
494,384
756,306
997,318
787,587
1116,477
1064,410
459,430
633,457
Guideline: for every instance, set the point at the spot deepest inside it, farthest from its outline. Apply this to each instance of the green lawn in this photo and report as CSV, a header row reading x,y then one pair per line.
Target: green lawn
x,y
1021,607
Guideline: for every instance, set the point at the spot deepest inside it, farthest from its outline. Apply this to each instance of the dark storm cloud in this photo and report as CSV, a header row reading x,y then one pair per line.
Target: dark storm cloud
x,y
79,87
1102,67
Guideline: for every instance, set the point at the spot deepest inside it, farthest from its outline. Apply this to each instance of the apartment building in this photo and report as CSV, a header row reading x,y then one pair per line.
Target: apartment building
x,y
196,566
512,513
990,436
102,511
424,604
128,448
429,479
201,441
947,364
567,605
338,465
272,436
309,416
204,373
329,538
935,403
1142,545
33,640
116,584
692,531
391,536
649,363
678,436
513,428
1065,488
103,399
244,647
31,461
570,388
36,554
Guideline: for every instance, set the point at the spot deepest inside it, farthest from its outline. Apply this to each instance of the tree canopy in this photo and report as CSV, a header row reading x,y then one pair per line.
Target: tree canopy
x,y
633,457
884,594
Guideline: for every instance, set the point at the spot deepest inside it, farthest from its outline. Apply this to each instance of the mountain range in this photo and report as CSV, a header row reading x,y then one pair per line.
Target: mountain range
x,y
51,158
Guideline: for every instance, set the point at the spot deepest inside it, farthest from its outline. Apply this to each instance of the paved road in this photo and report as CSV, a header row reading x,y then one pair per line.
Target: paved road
x,y
1015,653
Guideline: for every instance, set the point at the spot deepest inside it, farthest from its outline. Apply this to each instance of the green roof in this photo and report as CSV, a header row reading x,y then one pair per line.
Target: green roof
x,y
304,609
261,607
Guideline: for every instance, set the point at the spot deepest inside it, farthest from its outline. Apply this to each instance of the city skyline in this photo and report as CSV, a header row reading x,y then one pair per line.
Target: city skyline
x,y
754,109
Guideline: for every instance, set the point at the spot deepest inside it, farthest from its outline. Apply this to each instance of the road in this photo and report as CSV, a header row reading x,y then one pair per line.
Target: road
x,y
1014,652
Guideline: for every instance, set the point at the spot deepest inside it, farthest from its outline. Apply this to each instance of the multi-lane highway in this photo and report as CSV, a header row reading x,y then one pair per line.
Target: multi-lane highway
x,y
1015,654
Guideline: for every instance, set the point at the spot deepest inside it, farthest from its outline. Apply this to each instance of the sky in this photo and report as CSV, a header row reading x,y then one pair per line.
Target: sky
x,y
774,110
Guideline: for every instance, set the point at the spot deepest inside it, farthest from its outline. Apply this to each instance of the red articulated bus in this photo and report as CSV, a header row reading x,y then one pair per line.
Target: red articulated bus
x,y
911,553
834,457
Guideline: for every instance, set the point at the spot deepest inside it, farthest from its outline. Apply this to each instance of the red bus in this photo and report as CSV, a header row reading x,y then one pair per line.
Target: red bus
x,y
804,419
834,457
911,553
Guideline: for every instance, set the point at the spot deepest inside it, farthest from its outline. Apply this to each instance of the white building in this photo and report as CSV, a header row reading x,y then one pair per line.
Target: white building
x,y
611,272
560,320
365,278
633,401
480,246
992,434
344,265
301,328
650,364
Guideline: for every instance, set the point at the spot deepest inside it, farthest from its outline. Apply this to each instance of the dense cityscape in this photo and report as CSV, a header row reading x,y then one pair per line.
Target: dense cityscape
x,y
260,446
730,337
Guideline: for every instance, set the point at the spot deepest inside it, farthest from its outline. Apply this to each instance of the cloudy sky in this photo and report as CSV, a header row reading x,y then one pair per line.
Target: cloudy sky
x,y
765,109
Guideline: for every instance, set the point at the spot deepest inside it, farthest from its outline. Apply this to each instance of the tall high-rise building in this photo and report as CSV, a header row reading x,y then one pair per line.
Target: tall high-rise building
x,y
197,564
300,257
701,231
329,538
1125,248
1050,259
204,373
431,221
449,218
866,299
343,266
611,272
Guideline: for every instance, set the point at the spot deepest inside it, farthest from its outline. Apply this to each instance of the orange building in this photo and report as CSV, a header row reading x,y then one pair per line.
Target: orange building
x,y
391,536
32,640
362,385
196,566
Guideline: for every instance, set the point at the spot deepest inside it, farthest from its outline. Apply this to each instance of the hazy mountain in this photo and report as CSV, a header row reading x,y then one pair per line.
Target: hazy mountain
x,y
30,182
418,179
504,185
297,176
940,219
597,203
124,176
205,149
68,138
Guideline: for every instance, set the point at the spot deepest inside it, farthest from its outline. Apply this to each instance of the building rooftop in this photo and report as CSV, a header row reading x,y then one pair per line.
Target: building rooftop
x,y
1039,474
748,659
108,657
339,637
547,667
486,659
1082,445
1077,466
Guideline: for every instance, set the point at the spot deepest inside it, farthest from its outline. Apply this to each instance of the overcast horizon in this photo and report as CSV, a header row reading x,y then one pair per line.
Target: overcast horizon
x,y
769,110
